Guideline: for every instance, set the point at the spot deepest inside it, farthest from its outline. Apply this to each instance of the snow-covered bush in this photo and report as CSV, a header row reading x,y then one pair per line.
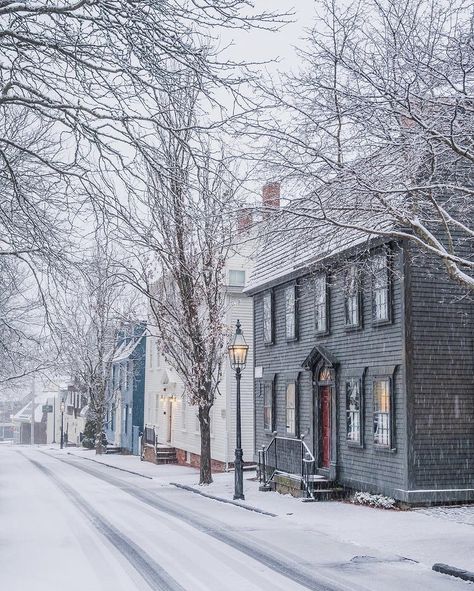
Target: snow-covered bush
x,y
379,501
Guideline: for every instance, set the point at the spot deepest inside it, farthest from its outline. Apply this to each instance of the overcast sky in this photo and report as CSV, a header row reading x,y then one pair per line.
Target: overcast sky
x,y
258,45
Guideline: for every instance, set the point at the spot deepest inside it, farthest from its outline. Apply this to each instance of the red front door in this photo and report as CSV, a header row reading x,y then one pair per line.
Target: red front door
x,y
325,393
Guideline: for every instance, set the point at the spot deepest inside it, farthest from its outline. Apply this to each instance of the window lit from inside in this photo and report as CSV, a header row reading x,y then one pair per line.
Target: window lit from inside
x,y
352,297
291,409
267,318
381,287
353,405
236,278
382,411
267,406
290,312
320,304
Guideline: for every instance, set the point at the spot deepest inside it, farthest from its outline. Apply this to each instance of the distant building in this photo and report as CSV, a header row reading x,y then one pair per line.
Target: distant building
x,y
171,421
124,418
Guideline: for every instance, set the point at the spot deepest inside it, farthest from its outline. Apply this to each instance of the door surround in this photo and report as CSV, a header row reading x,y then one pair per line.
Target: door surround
x,y
325,443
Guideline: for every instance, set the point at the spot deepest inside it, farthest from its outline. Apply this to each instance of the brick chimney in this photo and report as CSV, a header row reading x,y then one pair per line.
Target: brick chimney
x,y
271,195
244,220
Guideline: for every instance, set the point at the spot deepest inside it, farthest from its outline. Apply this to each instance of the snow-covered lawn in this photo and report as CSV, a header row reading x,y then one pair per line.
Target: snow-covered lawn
x,y
419,535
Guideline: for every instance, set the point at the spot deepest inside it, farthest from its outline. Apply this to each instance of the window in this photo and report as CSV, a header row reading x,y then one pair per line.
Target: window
x,y
290,312
157,353
267,318
382,410
380,290
124,376
351,290
236,277
149,344
268,406
183,412
353,407
320,304
126,419
291,409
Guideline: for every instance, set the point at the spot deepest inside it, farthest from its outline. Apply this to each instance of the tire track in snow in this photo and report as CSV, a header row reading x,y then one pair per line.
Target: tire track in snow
x,y
277,563
155,576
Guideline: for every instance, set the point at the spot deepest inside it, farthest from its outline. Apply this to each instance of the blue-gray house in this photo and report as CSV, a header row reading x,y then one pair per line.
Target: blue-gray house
x,y
125,409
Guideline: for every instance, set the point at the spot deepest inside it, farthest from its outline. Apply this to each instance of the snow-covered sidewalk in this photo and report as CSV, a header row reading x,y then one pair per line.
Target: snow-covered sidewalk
x,y
419,535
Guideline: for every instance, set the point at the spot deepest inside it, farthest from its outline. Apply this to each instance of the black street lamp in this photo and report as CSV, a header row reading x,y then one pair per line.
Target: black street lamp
x,y
61,408
238,350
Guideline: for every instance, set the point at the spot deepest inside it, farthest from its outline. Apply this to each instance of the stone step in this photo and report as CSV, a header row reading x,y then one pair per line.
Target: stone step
x,y
329,494
113,449
166,455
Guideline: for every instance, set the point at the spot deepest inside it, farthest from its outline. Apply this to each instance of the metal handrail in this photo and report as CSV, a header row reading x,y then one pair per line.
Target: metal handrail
x,y
296,459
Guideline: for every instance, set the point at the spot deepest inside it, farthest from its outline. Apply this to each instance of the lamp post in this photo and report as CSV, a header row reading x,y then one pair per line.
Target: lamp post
x,y
238,350
61,408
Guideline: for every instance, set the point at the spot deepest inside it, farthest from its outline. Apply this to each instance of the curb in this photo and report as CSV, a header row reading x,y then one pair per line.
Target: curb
x,y
221,500
465,575
110,466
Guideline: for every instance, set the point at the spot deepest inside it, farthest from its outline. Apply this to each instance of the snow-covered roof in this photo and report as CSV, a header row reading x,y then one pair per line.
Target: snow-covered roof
x,y
300,238
24,415
126,349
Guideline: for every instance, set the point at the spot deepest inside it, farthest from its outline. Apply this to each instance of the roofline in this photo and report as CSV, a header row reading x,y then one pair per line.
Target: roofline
x,y
310,266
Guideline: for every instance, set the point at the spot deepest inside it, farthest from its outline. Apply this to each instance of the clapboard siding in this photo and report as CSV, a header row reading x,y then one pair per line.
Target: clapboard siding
x,y
442,378
370,347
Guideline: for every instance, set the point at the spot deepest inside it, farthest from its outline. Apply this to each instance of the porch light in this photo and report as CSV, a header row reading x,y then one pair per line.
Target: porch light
x,y
238,350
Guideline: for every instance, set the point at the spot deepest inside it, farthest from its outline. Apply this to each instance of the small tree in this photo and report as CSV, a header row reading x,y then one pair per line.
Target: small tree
x,y
89,321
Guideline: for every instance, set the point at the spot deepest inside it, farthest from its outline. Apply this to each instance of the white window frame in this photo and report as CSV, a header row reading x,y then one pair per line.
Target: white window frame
x,y
268,405
321,324
352,297
290,312
354,417
291,409
380,287
382,419
268,318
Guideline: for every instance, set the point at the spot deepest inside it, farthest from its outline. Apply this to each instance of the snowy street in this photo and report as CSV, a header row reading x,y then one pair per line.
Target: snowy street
x,y
75,524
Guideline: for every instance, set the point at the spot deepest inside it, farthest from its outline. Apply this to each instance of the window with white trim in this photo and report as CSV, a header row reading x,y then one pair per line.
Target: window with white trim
x,y
268,318
268,406
236,278
352,297
320,303
353,411
290,312
291,408
382,411
380,287
184,406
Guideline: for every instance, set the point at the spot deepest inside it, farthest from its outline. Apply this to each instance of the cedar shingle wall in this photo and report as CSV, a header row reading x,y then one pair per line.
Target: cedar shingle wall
x,y
370,347
442,378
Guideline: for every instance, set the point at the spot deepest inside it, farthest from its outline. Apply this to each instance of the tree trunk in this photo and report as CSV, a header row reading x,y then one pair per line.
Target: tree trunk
x,y
205,473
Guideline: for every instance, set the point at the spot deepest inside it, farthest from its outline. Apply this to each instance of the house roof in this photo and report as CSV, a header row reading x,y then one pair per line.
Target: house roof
x,y
126,348
303,236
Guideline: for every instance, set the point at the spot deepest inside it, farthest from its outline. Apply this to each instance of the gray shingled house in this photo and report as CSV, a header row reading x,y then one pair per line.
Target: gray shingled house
x,y
364,365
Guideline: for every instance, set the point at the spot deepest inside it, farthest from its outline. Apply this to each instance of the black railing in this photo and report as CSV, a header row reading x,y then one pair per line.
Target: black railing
x,y
148,439
285,455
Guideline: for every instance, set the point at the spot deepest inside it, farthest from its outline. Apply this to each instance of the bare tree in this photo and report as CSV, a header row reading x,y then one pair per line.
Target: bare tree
x,y
377,128
88,324
82,87
180,235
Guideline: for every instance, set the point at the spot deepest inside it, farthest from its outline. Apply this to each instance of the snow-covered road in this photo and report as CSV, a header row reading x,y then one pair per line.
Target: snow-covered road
x,y
76,525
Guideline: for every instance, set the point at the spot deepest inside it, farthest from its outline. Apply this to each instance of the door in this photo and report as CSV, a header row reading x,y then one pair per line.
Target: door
x,y
325,394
